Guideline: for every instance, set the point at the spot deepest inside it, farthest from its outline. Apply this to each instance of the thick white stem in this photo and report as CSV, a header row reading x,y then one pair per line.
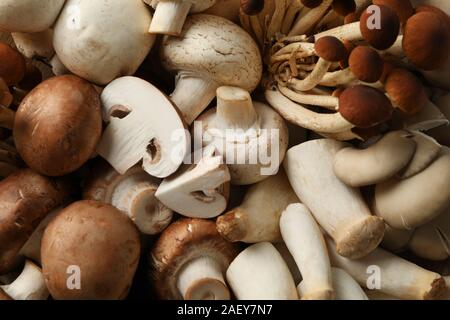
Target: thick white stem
x,y
30,285
328,102
192,95
169,17
345,287
202,279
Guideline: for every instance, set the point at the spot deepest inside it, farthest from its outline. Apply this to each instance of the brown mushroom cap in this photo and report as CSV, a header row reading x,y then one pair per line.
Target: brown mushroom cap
x,y
6,97
426,40
442,14
12,65
183,241
58,125
349,46
364,106
403,8
312,3
101,241
406,91
366,64
26,198
330,48
344,7
252,7
384,37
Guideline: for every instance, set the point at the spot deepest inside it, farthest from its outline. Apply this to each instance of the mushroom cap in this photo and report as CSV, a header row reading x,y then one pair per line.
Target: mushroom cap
x,y
58,125
427,8
344,7
25,199
349,46
330,48
214,48
426,40
366,64
403,8
183,241
29,15
12,66
101,241
384,37
312,3
252,7
96,46
406,91
364,106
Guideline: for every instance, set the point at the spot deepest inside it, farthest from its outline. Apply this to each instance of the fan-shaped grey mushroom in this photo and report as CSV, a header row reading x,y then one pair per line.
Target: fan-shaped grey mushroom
x,y
189,261
29,15
251,136
378,162
29,285
257,218
410,203
132,193
93,43
391,274
260,273
205,61
143,124
200,190
305,242
339,209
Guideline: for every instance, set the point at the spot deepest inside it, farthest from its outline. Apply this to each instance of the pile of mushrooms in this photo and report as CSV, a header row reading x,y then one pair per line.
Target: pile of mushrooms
x,y
224,149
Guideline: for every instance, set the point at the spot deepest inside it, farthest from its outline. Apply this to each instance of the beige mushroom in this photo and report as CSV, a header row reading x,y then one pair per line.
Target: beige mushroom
x,y
394,275
251,136
29,285
260,273
410,203
339,209
442,100
29,15
132,193
228,9
93,43
257,218
35,45
290,262
205,61
396,240
305,242
143,125
345,287
198,191
377,163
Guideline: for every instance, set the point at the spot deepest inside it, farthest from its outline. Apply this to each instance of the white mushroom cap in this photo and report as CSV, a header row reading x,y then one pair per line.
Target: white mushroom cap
x,y
143,125
96,44
33,45
211,52
29,15
260,273
198,191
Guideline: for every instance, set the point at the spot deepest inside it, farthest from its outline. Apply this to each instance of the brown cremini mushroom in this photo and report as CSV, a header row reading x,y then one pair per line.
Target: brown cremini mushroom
x,y
95,243
366,64
58,125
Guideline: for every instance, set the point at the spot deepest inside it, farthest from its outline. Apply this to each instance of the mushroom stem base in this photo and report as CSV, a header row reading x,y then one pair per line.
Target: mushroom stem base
x,y
169,17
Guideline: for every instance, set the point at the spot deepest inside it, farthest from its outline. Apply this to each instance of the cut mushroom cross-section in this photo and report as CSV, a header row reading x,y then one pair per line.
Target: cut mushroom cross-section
x,y
143,125
189,261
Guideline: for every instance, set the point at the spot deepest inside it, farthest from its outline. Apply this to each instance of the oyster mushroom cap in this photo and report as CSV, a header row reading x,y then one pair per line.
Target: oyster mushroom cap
x,y
29,15
96,46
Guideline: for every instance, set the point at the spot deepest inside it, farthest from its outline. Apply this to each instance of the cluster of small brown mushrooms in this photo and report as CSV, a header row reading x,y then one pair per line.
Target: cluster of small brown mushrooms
x,y
95,188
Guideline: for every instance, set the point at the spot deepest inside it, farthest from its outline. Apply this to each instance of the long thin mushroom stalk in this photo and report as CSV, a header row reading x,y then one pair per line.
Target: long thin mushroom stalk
x,y
306,244
385,272
345,287
307,22
30,285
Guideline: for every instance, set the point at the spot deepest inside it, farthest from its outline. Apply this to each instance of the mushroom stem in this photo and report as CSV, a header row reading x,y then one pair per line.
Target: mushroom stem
x,y
350,32
303,25
328,102
345,287
169,17
314,78
202,279
30,285
6,117
428,118
305,242
235,109
293,9
192,95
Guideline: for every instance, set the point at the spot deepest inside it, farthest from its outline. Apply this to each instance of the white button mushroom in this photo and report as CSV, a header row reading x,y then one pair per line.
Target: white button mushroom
x,y
260,273
94,43
211,52
170,15
143,125
339,209
29,15
251,136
